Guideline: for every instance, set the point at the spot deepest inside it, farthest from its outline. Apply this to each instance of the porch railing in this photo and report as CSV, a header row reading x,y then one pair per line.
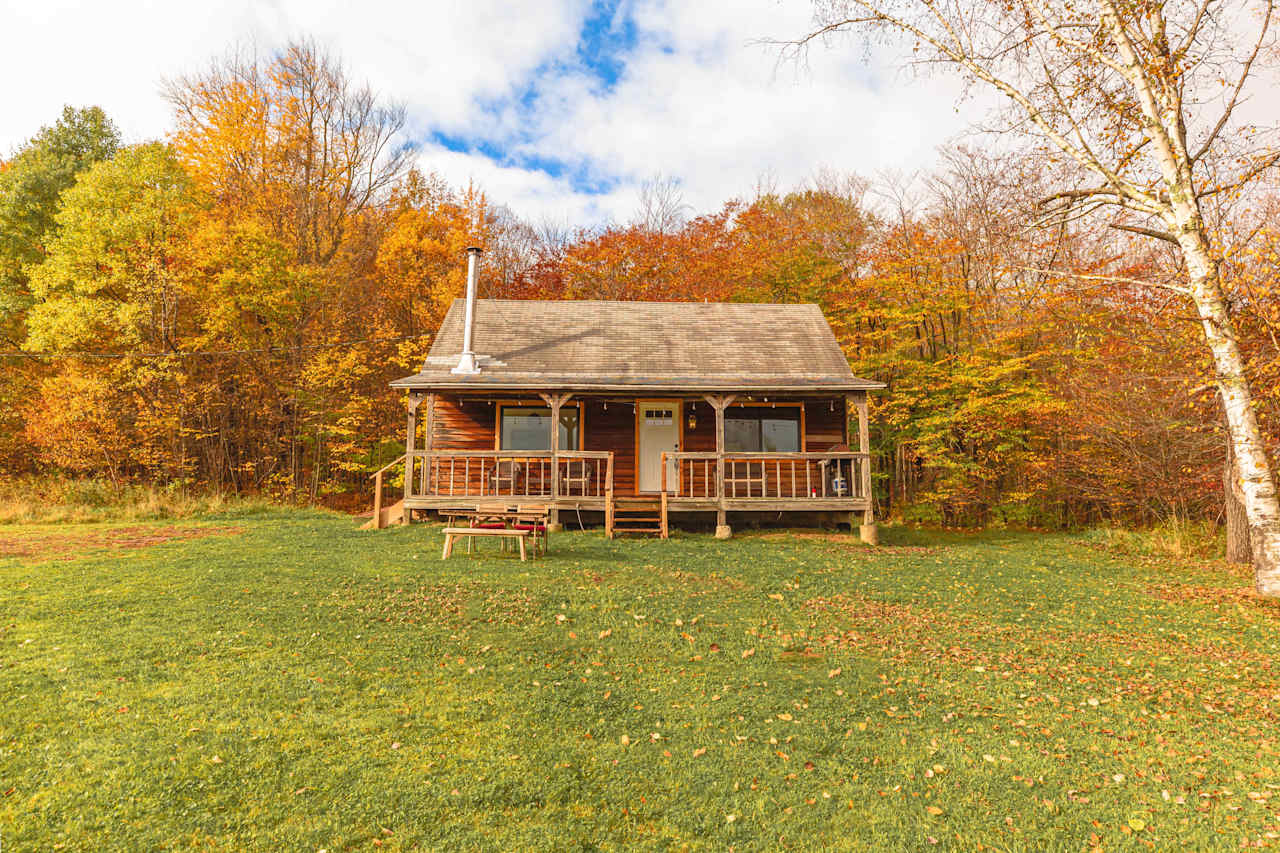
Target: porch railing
x,y
510,474
824,476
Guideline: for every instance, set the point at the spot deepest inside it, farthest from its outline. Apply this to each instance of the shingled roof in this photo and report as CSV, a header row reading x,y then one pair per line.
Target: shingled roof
x,y
624,346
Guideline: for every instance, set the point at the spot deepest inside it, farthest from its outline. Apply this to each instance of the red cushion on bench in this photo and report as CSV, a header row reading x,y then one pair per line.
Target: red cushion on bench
x,y
489,525
538,527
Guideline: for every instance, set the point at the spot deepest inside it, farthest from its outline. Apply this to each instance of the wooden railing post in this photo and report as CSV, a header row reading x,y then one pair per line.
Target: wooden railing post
x,y
428,440
608,499
411,433
555,401
720,403
867,532
664,494
377,501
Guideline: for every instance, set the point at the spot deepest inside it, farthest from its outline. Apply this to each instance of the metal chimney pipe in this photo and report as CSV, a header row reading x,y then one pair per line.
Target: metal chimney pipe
x,y
467,361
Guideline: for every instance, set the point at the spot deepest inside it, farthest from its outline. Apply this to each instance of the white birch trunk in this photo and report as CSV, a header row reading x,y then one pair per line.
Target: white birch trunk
x,y
1253,466
1166,129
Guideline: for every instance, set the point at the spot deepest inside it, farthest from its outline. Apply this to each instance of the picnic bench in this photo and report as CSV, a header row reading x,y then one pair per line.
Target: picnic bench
x,y
452,533
524,522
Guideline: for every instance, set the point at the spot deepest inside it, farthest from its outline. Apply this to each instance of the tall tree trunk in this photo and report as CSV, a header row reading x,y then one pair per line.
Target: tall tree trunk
x,y
1253,468
1237,522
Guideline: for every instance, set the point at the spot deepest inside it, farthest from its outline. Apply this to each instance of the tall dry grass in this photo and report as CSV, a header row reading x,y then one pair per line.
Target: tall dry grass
x,y
1174,537
44,500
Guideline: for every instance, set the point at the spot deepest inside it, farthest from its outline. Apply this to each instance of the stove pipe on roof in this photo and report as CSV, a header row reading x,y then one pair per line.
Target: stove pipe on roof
x,y
467,361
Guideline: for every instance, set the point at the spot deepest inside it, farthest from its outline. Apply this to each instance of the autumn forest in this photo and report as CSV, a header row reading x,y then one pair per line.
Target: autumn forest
x,y
223,308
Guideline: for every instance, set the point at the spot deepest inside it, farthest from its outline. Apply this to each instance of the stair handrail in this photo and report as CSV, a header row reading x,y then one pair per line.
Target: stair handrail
x,y
377,488
390,464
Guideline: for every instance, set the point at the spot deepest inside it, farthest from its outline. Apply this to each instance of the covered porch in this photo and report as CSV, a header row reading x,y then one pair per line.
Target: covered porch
x,y
679,452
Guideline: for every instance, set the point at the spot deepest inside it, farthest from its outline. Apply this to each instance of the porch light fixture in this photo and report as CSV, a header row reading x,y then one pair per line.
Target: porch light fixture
x,y
693,420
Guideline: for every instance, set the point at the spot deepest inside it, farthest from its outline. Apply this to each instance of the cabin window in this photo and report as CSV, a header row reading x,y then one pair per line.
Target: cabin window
x,y
529,428
759,429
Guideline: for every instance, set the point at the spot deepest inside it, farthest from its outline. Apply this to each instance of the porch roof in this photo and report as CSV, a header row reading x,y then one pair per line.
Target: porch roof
x,y
593,345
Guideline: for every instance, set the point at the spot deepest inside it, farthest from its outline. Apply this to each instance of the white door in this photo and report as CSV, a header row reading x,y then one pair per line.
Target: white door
x,y
659,427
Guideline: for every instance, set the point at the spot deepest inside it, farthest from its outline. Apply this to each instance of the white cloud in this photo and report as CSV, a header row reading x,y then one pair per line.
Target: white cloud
x,y
700,98
436,57
534,194
696,98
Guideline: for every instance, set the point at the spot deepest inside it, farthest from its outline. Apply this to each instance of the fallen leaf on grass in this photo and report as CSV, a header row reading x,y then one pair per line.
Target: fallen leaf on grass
x,y
700,751
933,810
606,632
746,653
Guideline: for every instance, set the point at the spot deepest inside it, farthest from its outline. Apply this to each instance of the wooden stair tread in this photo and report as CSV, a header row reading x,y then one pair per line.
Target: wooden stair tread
x,y
638,516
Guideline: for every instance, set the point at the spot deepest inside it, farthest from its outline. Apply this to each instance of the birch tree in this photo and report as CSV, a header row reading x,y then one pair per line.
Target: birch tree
x,y
1143,104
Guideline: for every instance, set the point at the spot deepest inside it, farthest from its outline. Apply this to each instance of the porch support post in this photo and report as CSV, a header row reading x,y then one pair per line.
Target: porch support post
x,y
867,530
720,403
428,441
555,401
411,433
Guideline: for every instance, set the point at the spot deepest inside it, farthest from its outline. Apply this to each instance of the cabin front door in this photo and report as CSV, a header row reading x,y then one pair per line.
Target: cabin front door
x,y
657,432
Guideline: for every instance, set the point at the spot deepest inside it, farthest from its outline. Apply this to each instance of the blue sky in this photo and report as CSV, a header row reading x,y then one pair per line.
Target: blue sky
x,y
561,110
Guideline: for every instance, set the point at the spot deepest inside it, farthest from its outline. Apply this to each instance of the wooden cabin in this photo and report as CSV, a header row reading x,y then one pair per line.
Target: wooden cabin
x,y
641,411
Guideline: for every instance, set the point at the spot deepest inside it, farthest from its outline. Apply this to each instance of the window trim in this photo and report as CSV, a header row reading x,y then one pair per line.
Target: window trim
x,y
530,404
804,447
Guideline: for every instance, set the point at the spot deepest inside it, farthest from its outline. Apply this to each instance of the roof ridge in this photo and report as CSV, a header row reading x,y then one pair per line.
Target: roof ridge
x,y
462,299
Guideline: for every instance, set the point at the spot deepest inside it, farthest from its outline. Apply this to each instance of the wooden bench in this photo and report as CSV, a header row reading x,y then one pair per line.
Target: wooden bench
x,y
452,533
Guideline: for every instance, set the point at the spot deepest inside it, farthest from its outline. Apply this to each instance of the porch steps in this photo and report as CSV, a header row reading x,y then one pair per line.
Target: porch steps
x,y
394,514
638,516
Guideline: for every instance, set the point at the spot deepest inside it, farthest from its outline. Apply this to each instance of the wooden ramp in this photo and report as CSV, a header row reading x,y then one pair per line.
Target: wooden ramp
x,y
639,517
384,516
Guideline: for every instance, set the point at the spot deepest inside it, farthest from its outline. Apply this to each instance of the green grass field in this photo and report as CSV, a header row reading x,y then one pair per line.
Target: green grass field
x,y
282,681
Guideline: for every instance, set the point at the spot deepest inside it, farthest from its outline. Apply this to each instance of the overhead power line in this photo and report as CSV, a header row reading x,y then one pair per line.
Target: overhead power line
x,y
69,354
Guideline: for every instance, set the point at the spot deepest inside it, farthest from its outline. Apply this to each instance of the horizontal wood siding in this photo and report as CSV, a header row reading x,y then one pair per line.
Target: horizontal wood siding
x,y
702,438
613,429
466,425
824,424
461,425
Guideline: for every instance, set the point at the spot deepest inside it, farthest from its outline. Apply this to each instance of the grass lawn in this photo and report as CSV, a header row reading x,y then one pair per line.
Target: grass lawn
x,y
283,681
